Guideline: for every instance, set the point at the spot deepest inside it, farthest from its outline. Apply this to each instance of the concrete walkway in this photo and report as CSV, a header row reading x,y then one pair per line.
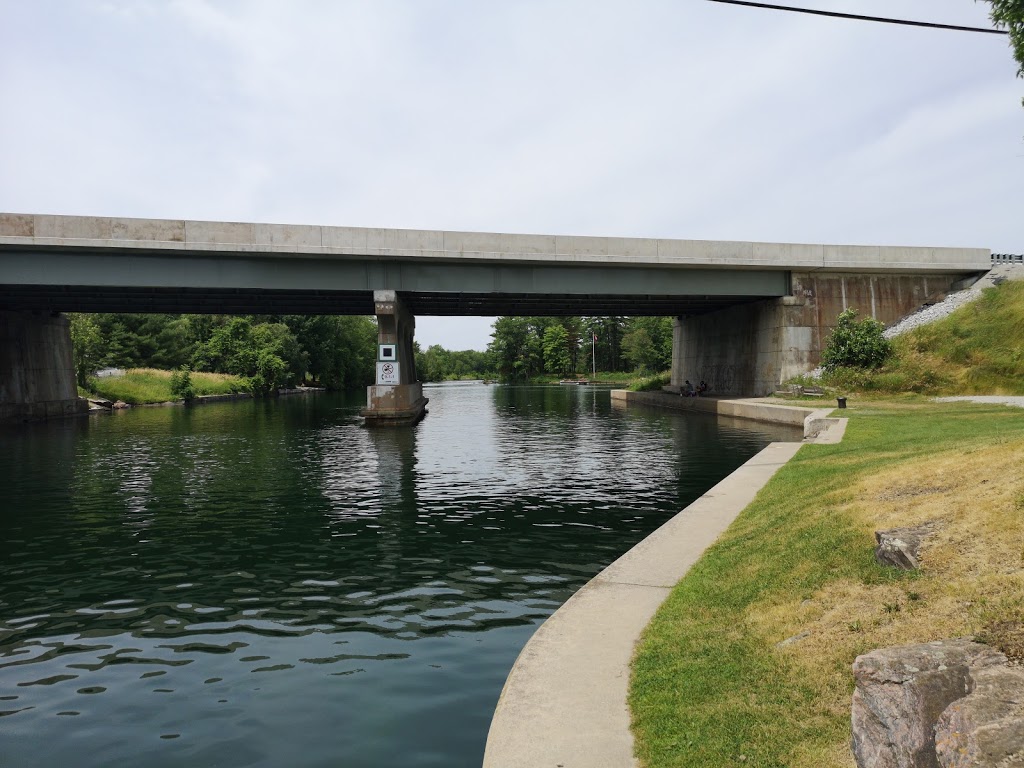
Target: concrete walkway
x,y
564,705
1004,399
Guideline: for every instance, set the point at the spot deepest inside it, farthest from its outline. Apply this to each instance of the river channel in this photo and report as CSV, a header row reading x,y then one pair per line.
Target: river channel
x,y
270,583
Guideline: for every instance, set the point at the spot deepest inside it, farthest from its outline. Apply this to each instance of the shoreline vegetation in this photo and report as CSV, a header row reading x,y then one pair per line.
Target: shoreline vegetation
x,y
748,661
151,386
268,353
144,386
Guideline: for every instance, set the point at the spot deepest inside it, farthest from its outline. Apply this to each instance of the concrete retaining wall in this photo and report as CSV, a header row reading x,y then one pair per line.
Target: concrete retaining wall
x,y
37,375
756,410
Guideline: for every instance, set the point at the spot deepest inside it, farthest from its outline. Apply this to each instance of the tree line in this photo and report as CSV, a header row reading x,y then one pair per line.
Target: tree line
x,y
338,352
268,352
524,348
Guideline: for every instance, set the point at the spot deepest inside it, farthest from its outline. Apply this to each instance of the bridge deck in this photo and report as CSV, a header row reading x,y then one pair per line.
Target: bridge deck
x,y
69,263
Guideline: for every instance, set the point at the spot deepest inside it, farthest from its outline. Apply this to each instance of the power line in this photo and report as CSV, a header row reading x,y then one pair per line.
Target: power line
x,y
882,19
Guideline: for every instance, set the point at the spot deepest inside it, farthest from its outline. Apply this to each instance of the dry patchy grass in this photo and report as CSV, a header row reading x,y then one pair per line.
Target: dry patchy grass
x,y
972,572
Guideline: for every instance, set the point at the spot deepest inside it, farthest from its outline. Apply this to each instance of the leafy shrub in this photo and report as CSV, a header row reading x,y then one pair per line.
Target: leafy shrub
x,y
855,344
271,373
650,383
181,384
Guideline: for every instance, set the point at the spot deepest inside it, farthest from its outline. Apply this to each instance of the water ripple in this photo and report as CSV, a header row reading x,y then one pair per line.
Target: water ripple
x,y
202,585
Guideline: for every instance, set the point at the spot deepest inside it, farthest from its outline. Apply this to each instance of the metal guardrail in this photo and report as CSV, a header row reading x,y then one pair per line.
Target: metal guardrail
x,y
1008,258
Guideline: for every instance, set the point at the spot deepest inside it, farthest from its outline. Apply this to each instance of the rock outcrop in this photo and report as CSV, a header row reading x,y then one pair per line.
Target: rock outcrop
x,y
901,547
900,694
986,727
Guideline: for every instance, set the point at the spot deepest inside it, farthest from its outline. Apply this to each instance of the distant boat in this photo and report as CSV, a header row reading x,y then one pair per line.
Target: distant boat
x,y
581,382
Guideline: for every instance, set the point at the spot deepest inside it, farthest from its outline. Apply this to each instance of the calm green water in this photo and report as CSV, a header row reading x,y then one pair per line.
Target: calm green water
x,y
268,584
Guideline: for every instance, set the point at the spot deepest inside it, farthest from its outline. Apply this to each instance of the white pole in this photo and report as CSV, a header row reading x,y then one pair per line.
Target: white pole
x,y
593,352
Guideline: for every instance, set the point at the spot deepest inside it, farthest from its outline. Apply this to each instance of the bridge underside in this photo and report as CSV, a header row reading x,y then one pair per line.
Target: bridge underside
x,y
262,301
152,281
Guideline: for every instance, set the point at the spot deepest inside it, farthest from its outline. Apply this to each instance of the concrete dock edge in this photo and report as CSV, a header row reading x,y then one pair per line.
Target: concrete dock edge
x,y
813,421
565,701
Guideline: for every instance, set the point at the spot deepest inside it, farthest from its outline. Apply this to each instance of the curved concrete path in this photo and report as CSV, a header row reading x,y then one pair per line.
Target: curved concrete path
x,y
1003,399
564,704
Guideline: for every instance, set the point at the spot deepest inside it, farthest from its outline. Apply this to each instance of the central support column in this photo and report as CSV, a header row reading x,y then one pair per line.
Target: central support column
x,y
396,398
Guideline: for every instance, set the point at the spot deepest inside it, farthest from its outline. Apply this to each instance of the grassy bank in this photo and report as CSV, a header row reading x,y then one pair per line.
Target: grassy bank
x,y
711,684
652,383
979,349
150,385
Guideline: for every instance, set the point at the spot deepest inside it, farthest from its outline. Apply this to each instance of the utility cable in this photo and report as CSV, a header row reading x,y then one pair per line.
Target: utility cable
x,y
882,19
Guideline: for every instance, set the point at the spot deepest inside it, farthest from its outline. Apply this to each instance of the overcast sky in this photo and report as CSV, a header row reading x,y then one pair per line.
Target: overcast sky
x,y
679,119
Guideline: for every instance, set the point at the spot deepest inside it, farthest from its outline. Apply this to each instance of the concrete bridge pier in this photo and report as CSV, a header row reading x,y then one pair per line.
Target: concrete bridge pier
x,y
396,399
37,371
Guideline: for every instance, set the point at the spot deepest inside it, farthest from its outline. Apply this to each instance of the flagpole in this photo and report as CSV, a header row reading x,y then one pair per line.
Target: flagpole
x,y
593,352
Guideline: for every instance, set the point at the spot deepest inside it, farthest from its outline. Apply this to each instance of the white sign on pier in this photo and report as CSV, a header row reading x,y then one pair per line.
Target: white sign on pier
x,y
388,373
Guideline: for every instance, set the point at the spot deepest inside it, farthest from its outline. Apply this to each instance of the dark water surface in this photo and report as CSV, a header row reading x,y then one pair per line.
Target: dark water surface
x,y
269,583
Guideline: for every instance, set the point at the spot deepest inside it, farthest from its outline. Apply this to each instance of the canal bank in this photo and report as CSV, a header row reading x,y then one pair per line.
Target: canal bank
x,y
565,700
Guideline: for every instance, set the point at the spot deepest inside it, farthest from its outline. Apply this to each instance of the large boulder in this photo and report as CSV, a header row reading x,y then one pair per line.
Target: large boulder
x,y
986,727
901,547
900,693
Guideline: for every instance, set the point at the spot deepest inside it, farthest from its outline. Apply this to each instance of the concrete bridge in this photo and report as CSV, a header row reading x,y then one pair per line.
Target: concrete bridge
x,y
750,315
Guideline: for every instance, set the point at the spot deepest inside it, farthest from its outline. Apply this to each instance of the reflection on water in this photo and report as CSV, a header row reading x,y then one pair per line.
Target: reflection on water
x,y
272,584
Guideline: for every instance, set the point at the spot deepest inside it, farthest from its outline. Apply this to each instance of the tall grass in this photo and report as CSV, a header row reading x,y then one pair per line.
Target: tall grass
x,y
149,385
651,383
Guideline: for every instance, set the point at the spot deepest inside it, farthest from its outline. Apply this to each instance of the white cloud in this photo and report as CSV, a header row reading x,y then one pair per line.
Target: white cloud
x,y
660,119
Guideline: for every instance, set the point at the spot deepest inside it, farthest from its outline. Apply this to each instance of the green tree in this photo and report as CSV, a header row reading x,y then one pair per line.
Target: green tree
x,y
86,345
638,349
269,372
174,343
342,349
557,359
647,343
267,354
277,339
608,347
1009,15
435,364
516,348
855,343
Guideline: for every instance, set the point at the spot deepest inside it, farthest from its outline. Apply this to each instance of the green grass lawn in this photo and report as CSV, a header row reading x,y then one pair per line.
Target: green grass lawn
x,y
149,385
710,686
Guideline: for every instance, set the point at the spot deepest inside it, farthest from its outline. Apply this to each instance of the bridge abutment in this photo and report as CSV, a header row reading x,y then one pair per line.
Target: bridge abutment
x,y
750,349
37,372
396,398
